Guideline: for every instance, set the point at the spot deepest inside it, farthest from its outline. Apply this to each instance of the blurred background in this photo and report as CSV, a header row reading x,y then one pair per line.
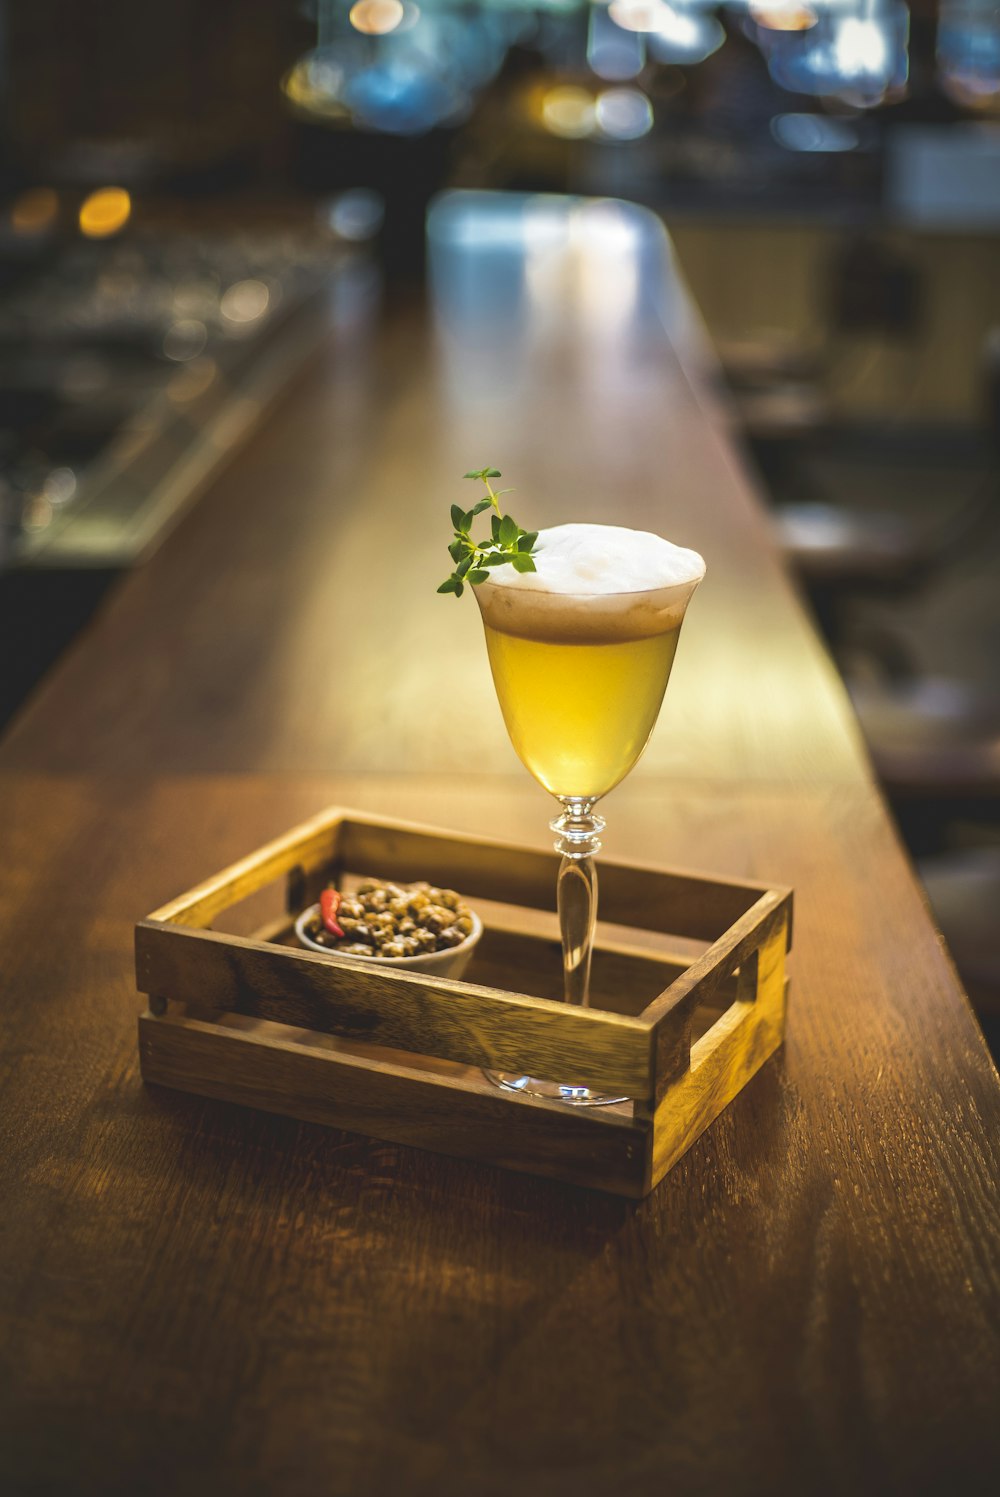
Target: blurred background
x,y
183,186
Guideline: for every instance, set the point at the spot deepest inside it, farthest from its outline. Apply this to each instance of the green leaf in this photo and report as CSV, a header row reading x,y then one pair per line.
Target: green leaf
x,y
508,543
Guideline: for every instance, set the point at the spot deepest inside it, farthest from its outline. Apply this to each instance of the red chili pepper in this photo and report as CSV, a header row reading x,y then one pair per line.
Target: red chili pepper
x,y
329,904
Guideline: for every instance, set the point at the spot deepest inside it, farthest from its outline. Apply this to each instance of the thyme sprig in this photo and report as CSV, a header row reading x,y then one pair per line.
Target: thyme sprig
x,y
508,543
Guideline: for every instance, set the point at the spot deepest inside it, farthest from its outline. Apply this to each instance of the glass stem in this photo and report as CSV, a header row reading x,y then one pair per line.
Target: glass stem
x,y
576,893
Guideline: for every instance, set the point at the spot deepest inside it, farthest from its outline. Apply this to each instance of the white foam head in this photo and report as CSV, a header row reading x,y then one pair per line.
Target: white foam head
x,y
593,583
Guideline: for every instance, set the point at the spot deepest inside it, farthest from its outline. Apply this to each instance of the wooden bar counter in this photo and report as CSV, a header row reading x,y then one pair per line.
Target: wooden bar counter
x,y
196,1298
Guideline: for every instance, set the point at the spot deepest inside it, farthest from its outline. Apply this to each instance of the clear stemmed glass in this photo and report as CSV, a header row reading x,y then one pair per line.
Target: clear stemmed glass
x,y
580,677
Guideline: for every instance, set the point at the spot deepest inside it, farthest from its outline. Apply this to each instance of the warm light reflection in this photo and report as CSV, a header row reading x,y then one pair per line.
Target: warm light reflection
x,y
376,17
314,86
674,33
544,234
606,227
783,15
105,212
584,264
37,513
971,91
245,301
34,211
569,111
606,242
637,15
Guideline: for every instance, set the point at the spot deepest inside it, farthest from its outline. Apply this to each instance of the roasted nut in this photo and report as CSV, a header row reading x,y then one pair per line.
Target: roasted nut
x,y
383,919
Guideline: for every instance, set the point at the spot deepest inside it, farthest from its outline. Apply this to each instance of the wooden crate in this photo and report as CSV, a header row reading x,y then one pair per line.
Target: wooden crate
x,y
398,1055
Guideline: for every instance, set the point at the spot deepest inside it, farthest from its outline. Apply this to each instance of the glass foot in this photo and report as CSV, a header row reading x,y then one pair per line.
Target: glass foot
x,y
552,1091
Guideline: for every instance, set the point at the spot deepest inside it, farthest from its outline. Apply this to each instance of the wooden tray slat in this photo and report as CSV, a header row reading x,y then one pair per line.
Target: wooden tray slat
x,y
650,898
401,1010
583,1146
671,1013
723,1060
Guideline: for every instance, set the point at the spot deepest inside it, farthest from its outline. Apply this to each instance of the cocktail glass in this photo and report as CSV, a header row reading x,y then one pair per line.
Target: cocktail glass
x,y
580,678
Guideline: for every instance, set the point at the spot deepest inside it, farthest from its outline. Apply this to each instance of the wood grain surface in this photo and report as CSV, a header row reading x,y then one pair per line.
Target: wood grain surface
x,y
200,1298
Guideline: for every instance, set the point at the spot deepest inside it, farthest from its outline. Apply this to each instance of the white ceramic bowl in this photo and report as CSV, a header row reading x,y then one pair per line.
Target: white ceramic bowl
x,y
451,962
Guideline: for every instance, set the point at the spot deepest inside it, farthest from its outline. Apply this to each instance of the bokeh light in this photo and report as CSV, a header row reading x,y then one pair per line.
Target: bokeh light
x,y
105,212
357,214
569,111
860,48
376,17
185,340
34,211
783,15
861,59
636,15
968,54
624,113
411,15
612,52
59,486
244,302
814,133
684,36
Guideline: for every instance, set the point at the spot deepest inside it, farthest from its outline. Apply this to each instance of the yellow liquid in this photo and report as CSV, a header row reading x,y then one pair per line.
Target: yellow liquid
x,y
579,715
